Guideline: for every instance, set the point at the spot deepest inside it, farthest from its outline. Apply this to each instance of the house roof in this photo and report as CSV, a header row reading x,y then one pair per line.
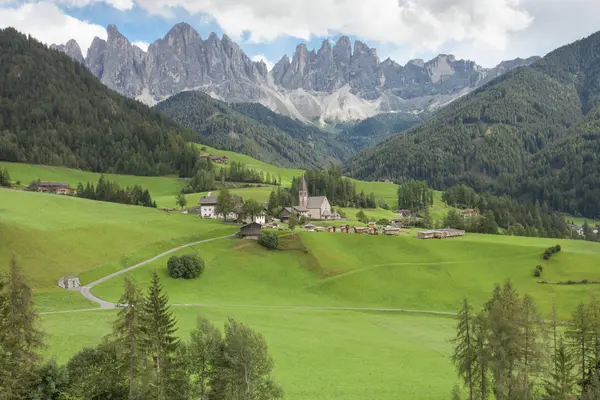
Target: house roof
x,y
315,202
54,184
207,200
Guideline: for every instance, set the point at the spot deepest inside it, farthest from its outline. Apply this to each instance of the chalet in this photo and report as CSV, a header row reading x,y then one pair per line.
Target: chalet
x,y
391,231
208,208
331,229
372,230
54,187
440,233
250,231
372,225
360,229
402,213
345,228
220,159
286,213
385,180
469,213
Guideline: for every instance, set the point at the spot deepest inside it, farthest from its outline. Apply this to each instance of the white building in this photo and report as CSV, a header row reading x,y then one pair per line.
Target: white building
x,y
208,210
69,282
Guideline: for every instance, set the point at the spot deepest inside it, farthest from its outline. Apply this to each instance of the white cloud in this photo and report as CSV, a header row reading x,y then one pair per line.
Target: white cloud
x,y
261,57
142,45
47,23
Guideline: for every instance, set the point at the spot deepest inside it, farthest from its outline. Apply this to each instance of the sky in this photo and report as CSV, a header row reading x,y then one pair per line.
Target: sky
x,y
485,31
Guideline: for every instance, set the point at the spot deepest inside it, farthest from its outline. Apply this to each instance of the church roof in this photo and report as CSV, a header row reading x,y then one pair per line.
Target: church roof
x,y
315,201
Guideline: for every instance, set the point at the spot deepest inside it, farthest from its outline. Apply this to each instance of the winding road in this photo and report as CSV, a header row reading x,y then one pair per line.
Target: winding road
x,y
86,291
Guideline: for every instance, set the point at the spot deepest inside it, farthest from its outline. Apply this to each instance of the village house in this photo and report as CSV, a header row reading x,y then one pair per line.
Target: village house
x,y
345,228
385,180
391,231
309,227
469,213
286,213
402,213
331,229
360,229
208,209
250,231
54,187
440,233
372,230
215,159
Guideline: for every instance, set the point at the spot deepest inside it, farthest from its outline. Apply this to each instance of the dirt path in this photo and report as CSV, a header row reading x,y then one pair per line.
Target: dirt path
x,y
86,290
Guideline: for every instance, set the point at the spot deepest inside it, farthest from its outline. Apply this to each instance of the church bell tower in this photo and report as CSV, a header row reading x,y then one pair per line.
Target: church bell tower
x,y
303,194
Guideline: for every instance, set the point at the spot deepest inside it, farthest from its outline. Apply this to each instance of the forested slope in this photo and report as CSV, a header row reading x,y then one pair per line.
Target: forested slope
x,y
219,125
54,111
532,133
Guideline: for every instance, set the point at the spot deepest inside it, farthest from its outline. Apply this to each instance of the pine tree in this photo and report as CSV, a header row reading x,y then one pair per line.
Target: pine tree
x,y
129,335
562,378
159,335
482,356
578,333
464,353
20,337
532,346
293,221
593,346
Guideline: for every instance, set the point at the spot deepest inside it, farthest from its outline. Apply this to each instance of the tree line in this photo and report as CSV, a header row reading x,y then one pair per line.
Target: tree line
x,y
507,350
519,218
106,190
141,358
414,195
206,176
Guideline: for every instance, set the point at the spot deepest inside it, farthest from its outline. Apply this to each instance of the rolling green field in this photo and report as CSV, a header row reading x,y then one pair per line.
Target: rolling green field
x,y
53,236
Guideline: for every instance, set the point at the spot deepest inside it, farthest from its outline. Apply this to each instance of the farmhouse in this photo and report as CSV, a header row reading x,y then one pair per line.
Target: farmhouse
x,y
286,213
391,231
402,213
215,159
468,213
360,229
440,233
54,187
385,180
208,209
250,231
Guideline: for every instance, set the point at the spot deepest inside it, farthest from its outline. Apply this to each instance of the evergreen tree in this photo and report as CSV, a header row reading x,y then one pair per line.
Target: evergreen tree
x,y
482,356
20,337
532,346
427,218
562,378
464,352
578,333
129,336
160,340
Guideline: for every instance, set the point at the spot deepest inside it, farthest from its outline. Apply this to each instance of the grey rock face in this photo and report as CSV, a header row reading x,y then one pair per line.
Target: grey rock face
x,y
338,81
71,49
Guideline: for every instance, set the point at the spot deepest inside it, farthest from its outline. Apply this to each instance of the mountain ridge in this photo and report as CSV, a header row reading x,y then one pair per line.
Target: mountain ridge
x,y
343,82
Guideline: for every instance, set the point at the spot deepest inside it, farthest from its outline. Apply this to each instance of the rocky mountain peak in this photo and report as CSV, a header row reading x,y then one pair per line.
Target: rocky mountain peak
x,y
182,32
71,49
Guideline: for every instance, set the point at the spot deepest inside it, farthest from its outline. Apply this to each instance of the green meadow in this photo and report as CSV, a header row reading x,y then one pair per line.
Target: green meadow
x,y
311,301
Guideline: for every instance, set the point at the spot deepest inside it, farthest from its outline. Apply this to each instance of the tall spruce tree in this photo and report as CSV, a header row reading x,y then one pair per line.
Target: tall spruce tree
x,y
532,346
482,357
464,357
20,336
578,333
562,376
130,336
160,340
593,313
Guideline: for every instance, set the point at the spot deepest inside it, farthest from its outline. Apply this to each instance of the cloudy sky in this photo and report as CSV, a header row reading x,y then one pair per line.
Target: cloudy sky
x,y
486,31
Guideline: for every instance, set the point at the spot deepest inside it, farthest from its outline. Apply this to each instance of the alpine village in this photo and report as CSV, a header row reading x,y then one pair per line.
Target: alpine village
x,y
181,218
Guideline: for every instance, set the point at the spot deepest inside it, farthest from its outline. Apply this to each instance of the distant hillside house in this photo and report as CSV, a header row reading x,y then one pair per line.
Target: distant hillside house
x,y
402,213
69,282
468,213
215,159
54,187
385,180
286,213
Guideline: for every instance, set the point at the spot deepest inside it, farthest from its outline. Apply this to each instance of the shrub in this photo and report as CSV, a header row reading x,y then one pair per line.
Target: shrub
x,y
269,240
383,222
546,256
186,267
557,248
537,272
539,267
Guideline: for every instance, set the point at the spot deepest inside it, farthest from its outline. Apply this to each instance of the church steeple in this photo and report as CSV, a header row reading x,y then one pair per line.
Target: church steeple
x,y
303,194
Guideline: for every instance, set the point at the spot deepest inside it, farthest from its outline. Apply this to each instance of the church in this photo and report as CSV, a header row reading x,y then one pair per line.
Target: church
x,y
314,207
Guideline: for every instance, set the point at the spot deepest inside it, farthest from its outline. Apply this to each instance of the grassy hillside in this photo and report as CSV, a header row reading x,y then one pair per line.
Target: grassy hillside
x,y
52,236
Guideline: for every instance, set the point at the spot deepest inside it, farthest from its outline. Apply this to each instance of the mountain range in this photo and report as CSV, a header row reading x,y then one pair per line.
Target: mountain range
x,y
533,133
340,82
